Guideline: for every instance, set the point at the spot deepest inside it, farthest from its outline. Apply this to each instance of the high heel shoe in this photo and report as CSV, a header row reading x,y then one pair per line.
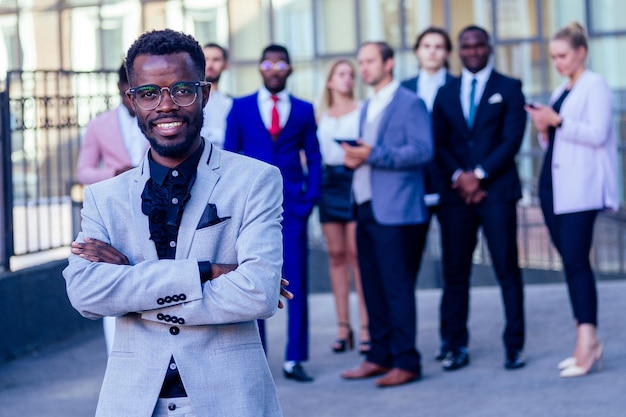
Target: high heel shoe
x,y
566,363
364,345
574,370
341,345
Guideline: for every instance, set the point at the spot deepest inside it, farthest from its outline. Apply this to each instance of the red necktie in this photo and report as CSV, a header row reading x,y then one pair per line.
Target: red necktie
x,y
275,124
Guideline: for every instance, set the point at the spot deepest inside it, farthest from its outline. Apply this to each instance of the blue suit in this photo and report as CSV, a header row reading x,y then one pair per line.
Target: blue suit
x,y
246,134
388,227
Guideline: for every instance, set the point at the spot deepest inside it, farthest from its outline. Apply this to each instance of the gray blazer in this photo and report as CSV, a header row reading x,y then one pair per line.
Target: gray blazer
x,y
160,305
403,147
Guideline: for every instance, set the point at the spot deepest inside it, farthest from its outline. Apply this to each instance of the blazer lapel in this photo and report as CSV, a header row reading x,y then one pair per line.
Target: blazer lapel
x,y
140,220
207,178
483,105
456,108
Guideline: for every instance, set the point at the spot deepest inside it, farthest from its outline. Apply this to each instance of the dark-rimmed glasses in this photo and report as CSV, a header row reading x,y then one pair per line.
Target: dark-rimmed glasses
x,y
182,93
277,66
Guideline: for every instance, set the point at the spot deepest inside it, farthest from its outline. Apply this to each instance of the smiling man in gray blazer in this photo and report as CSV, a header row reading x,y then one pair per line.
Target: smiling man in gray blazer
x,y
185,250
388,188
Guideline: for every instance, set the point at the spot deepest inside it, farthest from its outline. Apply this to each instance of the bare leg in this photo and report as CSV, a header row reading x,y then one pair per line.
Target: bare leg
x,y
353,261
588,348
339,275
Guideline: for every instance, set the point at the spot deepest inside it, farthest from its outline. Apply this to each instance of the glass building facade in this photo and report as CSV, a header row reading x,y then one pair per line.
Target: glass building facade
x,y
88,35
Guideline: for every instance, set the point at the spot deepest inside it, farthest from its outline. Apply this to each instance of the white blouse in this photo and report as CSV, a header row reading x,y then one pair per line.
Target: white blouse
x,y
331,128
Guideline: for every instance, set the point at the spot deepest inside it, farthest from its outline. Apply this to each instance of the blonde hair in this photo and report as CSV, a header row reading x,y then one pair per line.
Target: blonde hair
x,y
327,97
574,34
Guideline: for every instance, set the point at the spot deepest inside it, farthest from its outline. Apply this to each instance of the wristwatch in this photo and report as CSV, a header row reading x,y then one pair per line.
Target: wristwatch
x,y
479,173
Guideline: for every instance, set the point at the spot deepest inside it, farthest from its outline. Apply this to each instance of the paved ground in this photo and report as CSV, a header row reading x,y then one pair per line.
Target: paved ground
x,y
63,380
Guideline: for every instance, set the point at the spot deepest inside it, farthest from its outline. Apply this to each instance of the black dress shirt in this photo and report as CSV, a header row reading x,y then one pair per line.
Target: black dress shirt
x,y
163,201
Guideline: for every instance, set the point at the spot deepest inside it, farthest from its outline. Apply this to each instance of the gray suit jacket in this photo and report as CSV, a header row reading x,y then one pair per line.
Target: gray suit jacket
x,y
403,147
162,308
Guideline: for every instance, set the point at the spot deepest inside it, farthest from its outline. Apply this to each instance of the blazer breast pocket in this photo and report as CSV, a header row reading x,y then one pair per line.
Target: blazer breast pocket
x,y
210,217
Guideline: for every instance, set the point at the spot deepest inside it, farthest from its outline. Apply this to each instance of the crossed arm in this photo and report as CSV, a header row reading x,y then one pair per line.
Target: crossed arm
x,y
95,250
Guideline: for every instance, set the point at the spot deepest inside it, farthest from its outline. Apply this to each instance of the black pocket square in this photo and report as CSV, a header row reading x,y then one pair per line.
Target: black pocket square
x,y
210,217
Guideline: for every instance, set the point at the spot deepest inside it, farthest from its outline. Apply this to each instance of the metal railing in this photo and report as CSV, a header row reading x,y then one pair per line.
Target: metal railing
x,y
44,116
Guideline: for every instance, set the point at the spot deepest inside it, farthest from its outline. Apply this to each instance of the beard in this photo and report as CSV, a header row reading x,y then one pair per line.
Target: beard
x,y
175,150
215,79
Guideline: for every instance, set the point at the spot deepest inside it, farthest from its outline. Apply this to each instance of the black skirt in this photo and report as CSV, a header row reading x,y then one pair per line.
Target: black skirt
x,y
336,203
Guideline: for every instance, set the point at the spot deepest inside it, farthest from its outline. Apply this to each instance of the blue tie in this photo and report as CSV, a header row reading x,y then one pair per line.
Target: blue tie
x,y
472,104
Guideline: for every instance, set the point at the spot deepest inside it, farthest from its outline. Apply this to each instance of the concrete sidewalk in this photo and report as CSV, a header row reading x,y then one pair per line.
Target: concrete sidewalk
x,y
64,380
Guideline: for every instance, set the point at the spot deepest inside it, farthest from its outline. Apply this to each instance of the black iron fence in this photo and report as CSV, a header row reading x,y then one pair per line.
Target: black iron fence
x,y
43,117
44,114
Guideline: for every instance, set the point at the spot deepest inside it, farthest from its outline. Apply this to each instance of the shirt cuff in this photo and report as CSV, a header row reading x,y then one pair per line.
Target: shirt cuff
x,y
456,175
205,269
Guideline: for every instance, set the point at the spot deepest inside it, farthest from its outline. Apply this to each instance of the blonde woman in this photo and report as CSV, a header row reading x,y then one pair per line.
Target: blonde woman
x,y
577,181
339,119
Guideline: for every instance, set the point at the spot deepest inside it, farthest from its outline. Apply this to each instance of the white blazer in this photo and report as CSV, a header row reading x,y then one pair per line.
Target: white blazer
x,y
584,160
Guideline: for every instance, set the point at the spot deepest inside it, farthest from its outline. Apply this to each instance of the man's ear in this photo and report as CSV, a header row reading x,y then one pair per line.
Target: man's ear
x,y
206,93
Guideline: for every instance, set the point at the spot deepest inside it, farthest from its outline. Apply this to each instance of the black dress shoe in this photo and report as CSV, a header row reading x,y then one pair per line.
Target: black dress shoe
x,y
297,374
514,360
455,359
442,352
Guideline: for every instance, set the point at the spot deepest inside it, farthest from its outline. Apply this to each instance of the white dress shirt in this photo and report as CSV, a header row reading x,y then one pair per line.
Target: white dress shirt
x,y
266,104
379,100
134,140
215,114
428,85
466,86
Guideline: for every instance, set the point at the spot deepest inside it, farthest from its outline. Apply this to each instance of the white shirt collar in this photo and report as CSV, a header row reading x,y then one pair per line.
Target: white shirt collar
x,y
264,94
438,77
481,76
385,93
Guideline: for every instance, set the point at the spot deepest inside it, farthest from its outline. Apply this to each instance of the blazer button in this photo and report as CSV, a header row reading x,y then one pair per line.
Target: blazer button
x,y
181,320
174,330
182,297
168,299
175,298
167,318
171,406
160,316
160,301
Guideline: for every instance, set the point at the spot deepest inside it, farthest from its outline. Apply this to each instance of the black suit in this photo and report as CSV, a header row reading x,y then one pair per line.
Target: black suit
x,y
492,142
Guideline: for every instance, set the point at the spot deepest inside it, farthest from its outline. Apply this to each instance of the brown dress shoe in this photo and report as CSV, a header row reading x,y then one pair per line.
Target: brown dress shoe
x,y
364,370
397,377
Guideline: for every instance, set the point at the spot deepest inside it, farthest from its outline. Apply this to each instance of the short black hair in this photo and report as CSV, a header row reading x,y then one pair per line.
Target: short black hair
x,y
166,42
122,77
220,47
276,48
472,28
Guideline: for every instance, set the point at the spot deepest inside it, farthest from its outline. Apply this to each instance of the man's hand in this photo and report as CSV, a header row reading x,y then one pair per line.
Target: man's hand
x,y
123,169
356,155
284,292
95,250
468,187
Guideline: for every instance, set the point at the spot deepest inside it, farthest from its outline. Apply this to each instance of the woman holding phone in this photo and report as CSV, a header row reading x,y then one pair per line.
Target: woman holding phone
x,y
577,181
339,121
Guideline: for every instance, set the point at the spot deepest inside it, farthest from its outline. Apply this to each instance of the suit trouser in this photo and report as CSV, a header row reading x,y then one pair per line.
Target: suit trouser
x,y
388,266
572,235
459,229
295,267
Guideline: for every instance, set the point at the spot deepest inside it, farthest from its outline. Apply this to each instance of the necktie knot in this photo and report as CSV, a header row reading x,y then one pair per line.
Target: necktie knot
x,y
274,99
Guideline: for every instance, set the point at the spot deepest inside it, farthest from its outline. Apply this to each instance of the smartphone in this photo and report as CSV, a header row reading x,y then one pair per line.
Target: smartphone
x,y
351,142
532,105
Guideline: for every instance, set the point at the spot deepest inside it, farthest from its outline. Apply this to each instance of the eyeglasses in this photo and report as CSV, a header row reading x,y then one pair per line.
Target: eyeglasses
x,y
182,93
277,66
